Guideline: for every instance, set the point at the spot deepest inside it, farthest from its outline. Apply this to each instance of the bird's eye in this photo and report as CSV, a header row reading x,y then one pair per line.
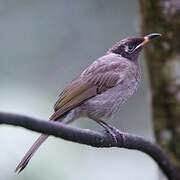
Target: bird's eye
x,y
131,47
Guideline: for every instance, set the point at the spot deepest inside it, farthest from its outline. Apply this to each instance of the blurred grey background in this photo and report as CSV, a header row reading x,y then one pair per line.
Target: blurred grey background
x,y
44,44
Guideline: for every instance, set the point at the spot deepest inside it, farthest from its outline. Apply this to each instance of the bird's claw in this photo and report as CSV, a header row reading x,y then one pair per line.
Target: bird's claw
x,y
113,133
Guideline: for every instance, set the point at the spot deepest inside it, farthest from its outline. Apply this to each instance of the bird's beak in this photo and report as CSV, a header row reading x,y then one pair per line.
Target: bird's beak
x,y
148,38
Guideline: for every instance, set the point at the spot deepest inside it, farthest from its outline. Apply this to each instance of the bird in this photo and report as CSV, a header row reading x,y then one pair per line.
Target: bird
x,y
100,90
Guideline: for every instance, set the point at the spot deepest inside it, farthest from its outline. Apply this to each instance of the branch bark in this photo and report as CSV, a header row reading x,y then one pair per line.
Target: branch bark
x,y
92,138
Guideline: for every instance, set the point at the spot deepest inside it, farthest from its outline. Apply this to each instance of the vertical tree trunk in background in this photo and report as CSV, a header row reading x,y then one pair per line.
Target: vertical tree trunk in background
x,y
163,61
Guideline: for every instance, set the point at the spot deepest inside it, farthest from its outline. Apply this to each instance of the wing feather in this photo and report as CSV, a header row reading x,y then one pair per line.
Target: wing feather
x,y
93,81
61,108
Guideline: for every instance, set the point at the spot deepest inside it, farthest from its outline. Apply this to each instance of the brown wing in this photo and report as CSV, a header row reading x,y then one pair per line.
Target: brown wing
x,y
89,84
73,95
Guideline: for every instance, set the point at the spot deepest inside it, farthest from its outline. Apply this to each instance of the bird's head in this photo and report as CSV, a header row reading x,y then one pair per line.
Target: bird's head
x,y
130,47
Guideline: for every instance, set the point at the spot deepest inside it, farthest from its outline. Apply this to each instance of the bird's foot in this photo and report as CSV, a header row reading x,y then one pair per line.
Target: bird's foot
x,y
112,131
112,134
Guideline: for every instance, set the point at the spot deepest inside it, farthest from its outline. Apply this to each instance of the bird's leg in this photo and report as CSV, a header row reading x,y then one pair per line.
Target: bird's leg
x,y
109,129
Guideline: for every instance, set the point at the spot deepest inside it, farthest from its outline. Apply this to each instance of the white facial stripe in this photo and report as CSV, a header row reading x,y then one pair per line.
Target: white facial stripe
x,y
146,40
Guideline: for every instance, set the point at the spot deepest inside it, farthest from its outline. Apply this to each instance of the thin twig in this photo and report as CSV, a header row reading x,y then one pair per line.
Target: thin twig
x,y
92,138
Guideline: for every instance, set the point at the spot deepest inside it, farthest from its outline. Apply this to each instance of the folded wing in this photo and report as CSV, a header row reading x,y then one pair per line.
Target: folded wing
x,y
89,84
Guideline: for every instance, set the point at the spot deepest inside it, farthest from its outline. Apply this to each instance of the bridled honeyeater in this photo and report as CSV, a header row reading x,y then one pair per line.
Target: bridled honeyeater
x,y
100,90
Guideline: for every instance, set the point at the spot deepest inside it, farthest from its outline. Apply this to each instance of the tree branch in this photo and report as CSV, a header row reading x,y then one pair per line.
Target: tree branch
x,y
92,138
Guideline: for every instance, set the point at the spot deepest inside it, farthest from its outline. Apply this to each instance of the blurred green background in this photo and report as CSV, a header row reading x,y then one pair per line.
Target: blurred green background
x,y
44,44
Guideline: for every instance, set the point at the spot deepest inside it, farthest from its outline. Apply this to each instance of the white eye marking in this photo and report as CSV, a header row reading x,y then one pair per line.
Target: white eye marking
x,y
126,48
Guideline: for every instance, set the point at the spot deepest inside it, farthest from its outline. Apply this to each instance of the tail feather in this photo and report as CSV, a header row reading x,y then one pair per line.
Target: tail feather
x,y
30,153
25,160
